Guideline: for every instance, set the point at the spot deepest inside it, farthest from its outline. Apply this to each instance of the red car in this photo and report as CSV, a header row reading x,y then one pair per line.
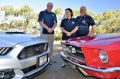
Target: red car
x,y
96,56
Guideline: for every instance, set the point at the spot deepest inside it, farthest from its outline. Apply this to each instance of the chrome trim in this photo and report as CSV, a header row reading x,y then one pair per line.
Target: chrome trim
x,y
106,70
79,51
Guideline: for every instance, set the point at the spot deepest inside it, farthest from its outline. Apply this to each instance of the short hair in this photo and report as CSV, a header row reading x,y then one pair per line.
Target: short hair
x,y
70,11
83,7
49,3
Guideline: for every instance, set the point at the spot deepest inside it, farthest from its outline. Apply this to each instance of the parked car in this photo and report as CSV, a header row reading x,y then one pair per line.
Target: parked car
x,y
22,56
96,56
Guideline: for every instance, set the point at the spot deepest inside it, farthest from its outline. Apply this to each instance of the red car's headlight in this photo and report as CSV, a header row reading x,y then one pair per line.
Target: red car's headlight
x,y
103,56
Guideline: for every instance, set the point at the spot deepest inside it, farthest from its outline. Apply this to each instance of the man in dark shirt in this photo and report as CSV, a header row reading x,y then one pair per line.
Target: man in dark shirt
x,y
84,22
48,22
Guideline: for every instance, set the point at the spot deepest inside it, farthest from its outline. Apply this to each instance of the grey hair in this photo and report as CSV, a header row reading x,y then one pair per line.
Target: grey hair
x,y
83,7
49,3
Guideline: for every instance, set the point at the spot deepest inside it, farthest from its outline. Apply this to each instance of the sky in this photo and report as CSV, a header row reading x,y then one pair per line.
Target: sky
x,y
97,6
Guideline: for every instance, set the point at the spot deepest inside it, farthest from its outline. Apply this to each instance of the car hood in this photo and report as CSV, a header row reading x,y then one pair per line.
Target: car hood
x,y
9,40
98,41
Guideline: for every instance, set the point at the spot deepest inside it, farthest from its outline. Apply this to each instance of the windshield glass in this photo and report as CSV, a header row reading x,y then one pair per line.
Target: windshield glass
x,y
102,36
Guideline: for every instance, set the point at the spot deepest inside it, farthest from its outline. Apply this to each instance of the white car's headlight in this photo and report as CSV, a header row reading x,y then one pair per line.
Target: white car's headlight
x,y
103,56
4,50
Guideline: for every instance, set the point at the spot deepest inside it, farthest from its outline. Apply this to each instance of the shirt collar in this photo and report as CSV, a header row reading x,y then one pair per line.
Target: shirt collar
x,y
47,11
84,15
69,19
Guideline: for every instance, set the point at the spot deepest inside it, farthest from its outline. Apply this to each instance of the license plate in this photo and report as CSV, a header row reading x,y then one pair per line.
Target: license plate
x,y
42,60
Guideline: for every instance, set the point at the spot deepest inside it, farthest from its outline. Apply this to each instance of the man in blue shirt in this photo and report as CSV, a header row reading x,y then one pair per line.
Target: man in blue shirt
x,y
48,22
84,22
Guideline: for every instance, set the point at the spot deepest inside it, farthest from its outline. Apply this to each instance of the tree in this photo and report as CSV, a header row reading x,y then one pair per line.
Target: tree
x,y
76,12
9,10
90,12
109,14
58,11
25,10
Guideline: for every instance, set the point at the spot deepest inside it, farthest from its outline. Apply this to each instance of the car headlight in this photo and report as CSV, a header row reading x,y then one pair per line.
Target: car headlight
x,y
7,74
103,56
4,50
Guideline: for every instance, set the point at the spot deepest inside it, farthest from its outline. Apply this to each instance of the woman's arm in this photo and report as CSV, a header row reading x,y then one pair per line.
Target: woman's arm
x,y
63,30
66,32
74,30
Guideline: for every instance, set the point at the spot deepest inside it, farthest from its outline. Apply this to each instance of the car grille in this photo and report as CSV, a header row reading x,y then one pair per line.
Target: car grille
x,y
4,51
79,54
33,50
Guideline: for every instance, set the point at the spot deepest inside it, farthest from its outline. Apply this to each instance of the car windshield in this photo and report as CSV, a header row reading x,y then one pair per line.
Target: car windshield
x,y
102,36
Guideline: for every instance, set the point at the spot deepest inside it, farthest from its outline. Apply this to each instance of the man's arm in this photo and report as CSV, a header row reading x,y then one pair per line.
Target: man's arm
x,y
50,30
93,30
40,20
43,25
55,22
93,26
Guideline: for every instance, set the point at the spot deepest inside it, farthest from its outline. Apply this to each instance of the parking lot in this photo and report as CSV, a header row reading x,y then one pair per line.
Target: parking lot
x,y
57,72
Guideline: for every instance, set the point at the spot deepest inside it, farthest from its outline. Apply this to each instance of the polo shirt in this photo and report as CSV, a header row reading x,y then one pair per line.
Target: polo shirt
x,y
68,25
49,18
84,22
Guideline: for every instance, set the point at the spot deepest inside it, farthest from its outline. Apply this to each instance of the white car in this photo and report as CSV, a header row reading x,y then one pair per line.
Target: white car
x,y
22,56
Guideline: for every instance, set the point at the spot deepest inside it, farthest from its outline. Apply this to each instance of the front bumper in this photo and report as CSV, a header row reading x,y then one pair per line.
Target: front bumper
x,y
19,65
33,73
36,72
105,70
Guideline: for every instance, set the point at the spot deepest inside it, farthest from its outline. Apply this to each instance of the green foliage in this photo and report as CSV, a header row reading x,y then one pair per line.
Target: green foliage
x,y
9,10
76,13
26,24
108,22
58,11
58,36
